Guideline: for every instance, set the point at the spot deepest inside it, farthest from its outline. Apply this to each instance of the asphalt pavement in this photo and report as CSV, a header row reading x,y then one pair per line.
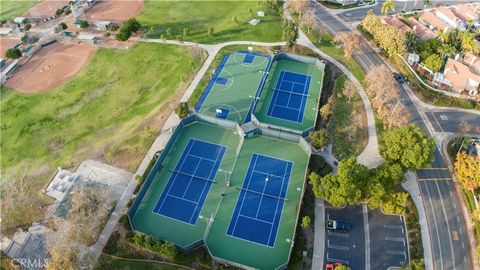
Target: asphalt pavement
x,y
388,238
447,121
439,195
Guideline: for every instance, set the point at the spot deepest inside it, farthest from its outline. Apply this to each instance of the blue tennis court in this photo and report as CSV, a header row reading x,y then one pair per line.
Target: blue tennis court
x,y
290,96
188,186
259,206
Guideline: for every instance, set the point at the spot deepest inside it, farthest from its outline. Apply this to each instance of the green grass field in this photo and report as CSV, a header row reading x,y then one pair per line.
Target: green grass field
x,y
198,16
110,111
348,129
10,9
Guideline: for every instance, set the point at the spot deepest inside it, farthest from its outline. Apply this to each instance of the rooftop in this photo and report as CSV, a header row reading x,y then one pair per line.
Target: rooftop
x,y
421,31
432,20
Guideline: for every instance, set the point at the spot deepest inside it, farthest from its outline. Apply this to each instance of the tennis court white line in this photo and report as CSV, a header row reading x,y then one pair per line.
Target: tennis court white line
x,y
195,156
278,202
256,219
270,108
183,199
301,104
191,177
269,174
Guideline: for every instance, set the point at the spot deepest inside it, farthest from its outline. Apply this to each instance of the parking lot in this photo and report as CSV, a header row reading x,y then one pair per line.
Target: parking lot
x,y
346,248
388,242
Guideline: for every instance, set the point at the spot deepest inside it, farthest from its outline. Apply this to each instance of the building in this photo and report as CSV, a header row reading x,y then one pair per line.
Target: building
x,y
421,31
87,38
101,25
459,77
447,16
473,61
393,21
433,22
465,13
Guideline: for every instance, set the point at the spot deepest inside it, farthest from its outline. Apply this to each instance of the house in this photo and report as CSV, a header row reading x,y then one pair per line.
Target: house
x,y
446,15
421,31
433,22
87,38
473,61
393,21
466,13
459,77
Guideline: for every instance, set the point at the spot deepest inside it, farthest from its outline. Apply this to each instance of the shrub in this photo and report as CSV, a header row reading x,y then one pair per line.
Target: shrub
x,y
306,222
27,26
106,34
63,25
319,138
163,248
182,109
113,27
13,53
59,12
84,24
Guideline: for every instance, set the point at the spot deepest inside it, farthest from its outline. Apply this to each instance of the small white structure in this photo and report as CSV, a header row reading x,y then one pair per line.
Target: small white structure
x,y
19,20
413,59
261,13
5,31
87,38
254,21
101,25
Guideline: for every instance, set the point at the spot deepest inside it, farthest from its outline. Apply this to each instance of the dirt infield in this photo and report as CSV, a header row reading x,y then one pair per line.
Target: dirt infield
x,y
114,10
7,43
50,67
45,8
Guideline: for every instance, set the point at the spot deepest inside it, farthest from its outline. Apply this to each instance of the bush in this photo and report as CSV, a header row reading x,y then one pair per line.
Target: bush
x,y
27,26
113,27
106,34
306,222
319,138
13,53
140,179
395,204
182,109
164,248
63,25
59,12
84,24
68,11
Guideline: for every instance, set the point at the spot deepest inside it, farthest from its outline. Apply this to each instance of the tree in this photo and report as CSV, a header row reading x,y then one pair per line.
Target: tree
x,y
168,32
426,3
347,187
59,12
327,109
309,21
84,24
113,27
408,146
306,222
298,6
186,31
13,53
383,181
319,138
388,37
182,109
469,43
210,31
395,204
444,37
63,25
349,90
387,6
349,42
434,62
399,115
289,33
467,169
63,256
27,26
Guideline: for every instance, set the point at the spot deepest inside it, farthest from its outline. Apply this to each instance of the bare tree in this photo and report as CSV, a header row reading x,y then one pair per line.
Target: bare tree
x,y
349,90
298,6
399,115
308,20
19,202
349,42
465,127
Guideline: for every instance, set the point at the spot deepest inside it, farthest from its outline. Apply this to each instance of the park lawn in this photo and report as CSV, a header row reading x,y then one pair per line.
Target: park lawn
x,y
10,9
111,111
198,16
348,129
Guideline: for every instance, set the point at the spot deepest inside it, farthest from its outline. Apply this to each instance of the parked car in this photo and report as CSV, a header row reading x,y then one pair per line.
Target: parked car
x,y
338,226
399,77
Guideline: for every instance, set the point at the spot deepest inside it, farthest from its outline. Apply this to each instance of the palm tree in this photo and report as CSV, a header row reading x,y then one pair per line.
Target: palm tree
x,y
468,42
387,6
442,36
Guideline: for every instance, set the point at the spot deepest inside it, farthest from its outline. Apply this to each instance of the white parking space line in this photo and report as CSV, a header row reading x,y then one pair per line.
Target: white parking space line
x,y
393,226
339,234
395,239
336,260
397,252
337,246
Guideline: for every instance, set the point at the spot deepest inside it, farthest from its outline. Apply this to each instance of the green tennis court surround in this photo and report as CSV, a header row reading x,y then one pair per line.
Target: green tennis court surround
x,y
247,132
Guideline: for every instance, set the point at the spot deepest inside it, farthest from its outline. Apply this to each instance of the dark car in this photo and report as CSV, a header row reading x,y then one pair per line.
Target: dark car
x,y
399,77
338,226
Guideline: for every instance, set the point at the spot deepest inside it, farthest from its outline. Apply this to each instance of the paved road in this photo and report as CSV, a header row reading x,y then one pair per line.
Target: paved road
x,y
443,224
446,121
